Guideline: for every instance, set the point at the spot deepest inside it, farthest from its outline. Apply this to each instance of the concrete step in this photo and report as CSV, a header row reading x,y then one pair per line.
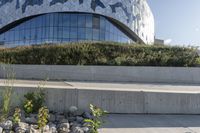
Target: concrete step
x,y
116,97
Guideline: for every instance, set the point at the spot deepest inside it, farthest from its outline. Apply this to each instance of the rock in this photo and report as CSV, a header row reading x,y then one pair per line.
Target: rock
x,y
80,112
87,115
7,131
52,128
64,128
74,125
73,111
64,121
10,118
52,118
31,120
86,129
7,125
59,117
33,129
33,115
79,119
21,127
19,130
77,130
23,117
46,129
1,130
72,119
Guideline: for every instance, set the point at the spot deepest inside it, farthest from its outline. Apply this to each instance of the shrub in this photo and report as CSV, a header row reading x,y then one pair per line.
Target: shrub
x,y
97,53
33,101
198,61
28,106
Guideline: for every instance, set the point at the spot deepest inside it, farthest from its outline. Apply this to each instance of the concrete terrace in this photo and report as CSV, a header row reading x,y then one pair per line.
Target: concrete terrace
x,y
133,123
125,98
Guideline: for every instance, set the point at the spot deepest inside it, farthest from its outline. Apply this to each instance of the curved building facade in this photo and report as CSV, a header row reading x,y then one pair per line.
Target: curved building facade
x,y
26,22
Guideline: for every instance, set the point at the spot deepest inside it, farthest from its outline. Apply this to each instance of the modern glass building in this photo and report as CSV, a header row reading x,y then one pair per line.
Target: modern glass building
x,y
28,22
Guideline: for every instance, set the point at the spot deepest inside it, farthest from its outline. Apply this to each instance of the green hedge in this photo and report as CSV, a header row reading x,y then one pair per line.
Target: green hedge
x,y
100,54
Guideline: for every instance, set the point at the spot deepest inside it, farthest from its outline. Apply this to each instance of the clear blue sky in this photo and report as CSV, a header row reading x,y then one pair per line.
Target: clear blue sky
x,y
177,20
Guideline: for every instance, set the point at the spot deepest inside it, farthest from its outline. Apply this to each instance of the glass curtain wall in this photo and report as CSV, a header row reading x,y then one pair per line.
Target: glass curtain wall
x,y
61,28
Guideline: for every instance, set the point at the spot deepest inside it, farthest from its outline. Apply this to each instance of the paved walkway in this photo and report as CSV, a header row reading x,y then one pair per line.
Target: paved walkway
x,y
152,124
147,87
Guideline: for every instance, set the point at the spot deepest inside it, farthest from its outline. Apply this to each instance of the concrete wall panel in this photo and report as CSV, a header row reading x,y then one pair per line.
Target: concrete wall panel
x,y
186,75
115,101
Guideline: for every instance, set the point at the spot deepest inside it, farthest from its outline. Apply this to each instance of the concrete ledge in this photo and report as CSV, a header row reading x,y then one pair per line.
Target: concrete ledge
x,y
186,75
116,98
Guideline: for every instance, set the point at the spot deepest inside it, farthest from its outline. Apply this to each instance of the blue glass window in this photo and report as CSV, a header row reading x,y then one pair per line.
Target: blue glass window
x,y
95,34
60,20
39,33
89,21
51,32
73,33
96,22
27,34
1,39
39,22
66,20
102,35
47,20
81,20
107,37
43,33
60,32
66,32
88,34
22,35
81,33
12,36
55,31
102,23
74,20
33,34
51,19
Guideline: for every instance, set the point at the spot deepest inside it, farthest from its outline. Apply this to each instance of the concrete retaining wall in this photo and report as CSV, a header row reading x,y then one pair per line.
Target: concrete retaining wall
x,y
117,101
107,73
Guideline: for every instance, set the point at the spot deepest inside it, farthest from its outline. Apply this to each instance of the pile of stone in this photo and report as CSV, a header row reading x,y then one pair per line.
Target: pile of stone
x,y
70,122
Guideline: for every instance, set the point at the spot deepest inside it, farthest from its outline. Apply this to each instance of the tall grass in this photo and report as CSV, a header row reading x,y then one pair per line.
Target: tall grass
x,y
7,92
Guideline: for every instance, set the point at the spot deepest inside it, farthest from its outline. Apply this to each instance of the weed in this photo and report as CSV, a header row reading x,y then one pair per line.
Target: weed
x,y
17,116
43,116
97,121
